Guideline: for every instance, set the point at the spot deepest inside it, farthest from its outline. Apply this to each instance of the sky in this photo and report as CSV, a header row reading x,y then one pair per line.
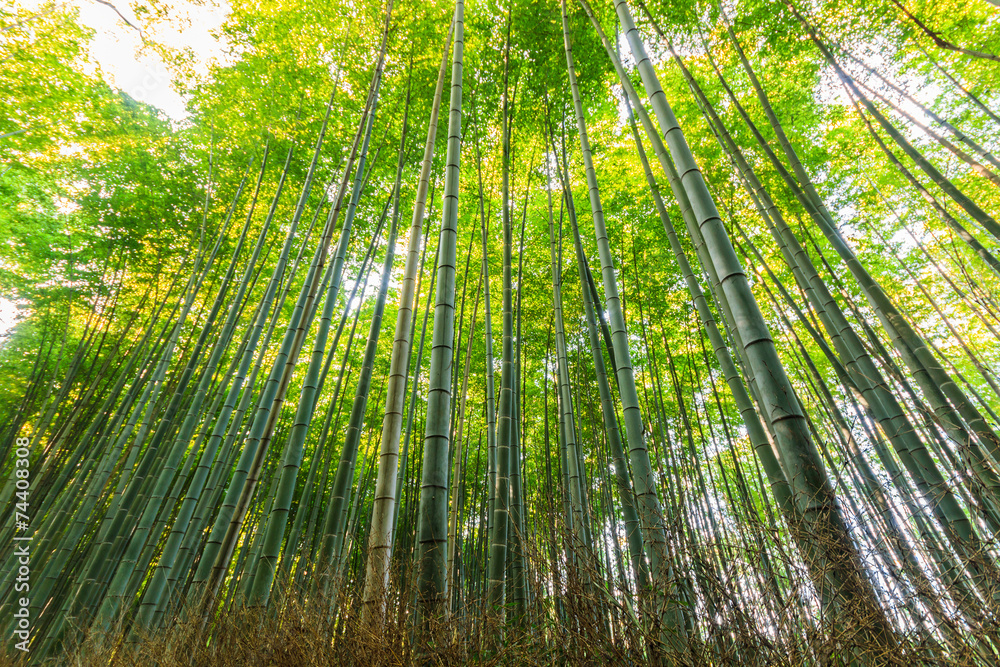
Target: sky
x,y
116,50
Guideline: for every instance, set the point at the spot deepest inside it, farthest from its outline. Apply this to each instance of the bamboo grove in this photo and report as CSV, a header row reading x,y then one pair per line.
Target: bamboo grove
x,y
556,331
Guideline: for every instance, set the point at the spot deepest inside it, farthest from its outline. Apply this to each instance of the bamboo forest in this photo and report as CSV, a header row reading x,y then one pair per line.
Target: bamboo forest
x,y
501,332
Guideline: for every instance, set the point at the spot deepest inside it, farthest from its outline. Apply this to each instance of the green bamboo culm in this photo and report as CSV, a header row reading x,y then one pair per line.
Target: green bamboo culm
x,y
432,519
506,430
386,500
333,542
651,511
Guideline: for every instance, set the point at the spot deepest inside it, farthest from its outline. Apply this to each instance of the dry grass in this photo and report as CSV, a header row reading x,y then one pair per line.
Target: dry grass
x,y
296,638
586,624
302,635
